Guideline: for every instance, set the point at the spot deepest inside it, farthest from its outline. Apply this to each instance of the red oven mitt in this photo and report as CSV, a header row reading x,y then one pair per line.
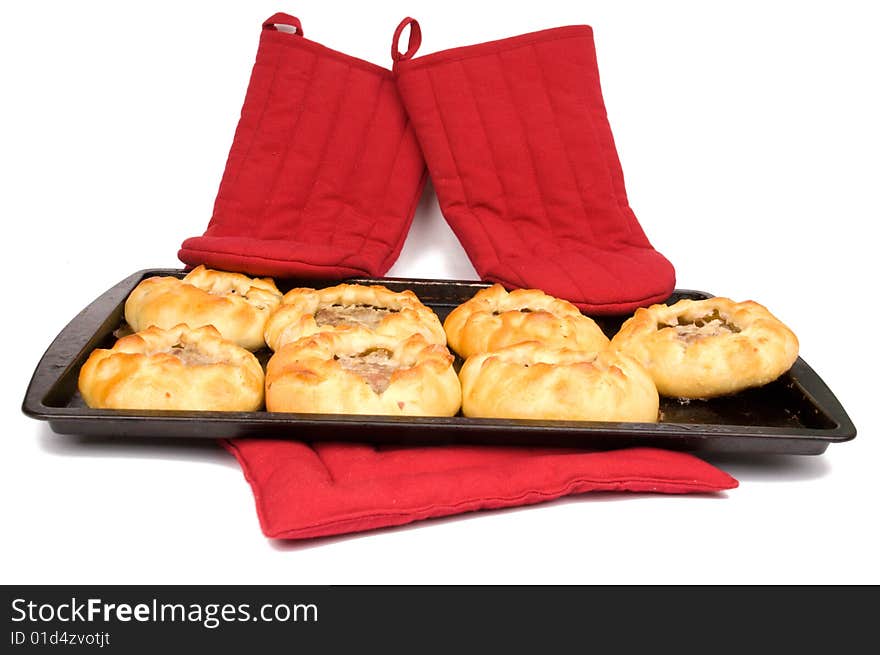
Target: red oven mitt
x,y
304,490
324,172
524,164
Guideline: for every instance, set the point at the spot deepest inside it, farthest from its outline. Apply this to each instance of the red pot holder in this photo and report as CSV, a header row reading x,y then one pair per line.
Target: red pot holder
x,y
524,164
324,172
304,491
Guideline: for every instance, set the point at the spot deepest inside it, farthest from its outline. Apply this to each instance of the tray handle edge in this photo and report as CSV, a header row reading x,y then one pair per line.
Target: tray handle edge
x,y
70,342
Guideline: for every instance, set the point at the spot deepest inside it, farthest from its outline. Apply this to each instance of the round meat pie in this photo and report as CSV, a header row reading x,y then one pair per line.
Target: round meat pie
x,y
708,348
305,312
494,318
359,372
180,368
237,305
530,380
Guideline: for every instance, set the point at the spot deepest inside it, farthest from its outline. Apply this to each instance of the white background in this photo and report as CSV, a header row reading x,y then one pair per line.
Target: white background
x,y
749,141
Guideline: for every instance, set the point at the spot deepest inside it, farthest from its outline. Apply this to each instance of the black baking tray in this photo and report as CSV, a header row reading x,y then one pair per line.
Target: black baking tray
x,y
796,414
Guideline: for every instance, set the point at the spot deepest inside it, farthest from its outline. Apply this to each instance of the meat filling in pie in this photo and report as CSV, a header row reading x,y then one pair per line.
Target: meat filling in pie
x,y
190,355
374,365
710,325
345,307
368,316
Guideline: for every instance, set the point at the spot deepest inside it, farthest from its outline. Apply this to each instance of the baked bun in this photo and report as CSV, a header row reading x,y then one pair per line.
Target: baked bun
x,y
304,312
359,372
180,368
235,304
708,348
530,380
494,318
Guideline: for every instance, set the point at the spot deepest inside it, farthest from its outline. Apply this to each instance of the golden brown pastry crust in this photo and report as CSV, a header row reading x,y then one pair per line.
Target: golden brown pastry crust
x,y
300,314
309,375
180,368
493,319
237,305
708,348
530,380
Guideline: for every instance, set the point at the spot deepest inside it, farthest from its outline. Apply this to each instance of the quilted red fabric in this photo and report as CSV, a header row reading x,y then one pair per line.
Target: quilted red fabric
x,y
524,164
324,172
303,491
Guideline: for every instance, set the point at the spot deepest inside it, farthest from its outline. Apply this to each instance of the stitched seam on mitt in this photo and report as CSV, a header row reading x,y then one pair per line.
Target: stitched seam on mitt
x,y
381,209
548,224
334,126
259,122
356,164
486,236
